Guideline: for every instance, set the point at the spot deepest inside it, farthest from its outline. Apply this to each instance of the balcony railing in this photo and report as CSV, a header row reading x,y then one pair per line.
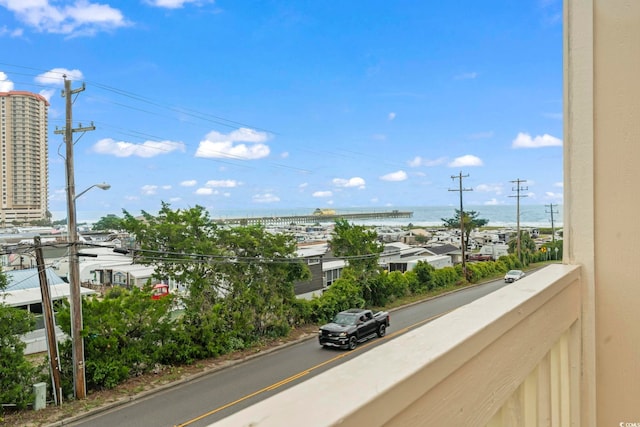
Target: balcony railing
x,y
509,358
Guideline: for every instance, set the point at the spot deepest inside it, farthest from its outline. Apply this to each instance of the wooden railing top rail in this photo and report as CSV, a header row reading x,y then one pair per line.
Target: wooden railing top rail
x,y
460,367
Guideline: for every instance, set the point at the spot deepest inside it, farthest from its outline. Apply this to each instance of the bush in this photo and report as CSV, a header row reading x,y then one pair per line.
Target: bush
x,y
447,276
341,295
17,375
398,284
124,335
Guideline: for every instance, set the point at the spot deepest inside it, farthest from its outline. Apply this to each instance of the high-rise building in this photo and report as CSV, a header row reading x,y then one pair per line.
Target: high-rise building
x,y
24,157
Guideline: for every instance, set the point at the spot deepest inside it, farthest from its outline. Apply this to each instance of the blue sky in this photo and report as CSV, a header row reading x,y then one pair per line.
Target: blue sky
x,y
270,105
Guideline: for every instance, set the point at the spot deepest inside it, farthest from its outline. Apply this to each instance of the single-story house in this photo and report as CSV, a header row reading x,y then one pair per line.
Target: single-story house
x,y
23,291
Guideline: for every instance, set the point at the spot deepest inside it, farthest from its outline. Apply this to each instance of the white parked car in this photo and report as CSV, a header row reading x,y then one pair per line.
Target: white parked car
x,y
513,275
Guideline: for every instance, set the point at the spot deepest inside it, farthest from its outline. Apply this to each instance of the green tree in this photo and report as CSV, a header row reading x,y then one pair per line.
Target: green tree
x,y
361,249
527,245
470,221
359,246
109,222
17,375
240,279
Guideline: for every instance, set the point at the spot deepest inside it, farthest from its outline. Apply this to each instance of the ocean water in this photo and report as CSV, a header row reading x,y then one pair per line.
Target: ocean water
x,y
498,215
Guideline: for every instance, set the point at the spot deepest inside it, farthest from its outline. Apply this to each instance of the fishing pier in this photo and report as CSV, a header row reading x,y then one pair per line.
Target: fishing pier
x,y
317,217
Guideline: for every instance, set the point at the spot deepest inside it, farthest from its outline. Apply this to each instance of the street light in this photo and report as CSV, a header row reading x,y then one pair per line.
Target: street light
x,y
77,343
103,186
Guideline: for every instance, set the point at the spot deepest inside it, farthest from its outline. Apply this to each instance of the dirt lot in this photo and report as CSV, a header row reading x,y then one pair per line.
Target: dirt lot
x,y
54,415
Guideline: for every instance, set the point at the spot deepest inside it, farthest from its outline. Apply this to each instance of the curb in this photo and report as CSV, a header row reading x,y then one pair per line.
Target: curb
x,y
229,364
138,396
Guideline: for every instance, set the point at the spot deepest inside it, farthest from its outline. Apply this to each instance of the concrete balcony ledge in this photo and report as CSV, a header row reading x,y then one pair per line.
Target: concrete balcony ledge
x,y
509,358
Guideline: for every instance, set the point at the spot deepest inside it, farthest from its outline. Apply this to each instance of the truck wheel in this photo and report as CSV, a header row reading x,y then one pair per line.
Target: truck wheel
x,y
382,329
353,342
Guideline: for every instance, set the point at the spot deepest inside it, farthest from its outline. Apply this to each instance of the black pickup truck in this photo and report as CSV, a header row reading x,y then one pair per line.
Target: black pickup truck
x,y
350,327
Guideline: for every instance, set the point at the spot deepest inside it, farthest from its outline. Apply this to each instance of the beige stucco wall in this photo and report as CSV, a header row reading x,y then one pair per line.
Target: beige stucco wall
x,y
602,177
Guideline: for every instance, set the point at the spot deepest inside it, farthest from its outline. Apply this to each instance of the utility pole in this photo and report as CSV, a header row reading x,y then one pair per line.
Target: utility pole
x,y
553,230
49,324
462,245
518,197
79,381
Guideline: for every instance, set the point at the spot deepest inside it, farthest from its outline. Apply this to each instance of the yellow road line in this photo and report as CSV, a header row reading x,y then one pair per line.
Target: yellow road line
x,y
307,371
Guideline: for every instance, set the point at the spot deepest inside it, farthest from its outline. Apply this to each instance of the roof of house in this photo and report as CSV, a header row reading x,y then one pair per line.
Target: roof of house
x,y
29,278
22,297
23,287
443,249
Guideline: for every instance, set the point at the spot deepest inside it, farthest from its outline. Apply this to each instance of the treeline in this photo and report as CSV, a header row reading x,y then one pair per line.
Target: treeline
x,y
240,283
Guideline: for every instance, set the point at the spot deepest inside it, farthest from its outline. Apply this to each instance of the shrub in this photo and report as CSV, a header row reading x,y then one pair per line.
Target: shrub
x,y
17,375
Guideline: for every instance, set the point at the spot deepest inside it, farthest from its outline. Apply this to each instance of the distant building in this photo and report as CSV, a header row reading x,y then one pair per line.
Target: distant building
x,y
24,153
402,257
323,266
321,212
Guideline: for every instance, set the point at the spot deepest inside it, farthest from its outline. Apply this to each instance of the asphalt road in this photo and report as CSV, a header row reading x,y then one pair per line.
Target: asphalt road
x,y
212,397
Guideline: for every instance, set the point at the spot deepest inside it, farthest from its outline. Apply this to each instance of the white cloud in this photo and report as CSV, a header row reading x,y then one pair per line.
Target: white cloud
x,y
351,182
189,183
524,140
467,160
80,18
6,85
173,4
224,183
265,198
558,184
166,187
16,32
218,145
127,149
419,161
174,199
202,191
47,93
553,196
379,137
391,116
284,154
395,176
149,189
489,188
493,202
303,185
54,77
322,194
